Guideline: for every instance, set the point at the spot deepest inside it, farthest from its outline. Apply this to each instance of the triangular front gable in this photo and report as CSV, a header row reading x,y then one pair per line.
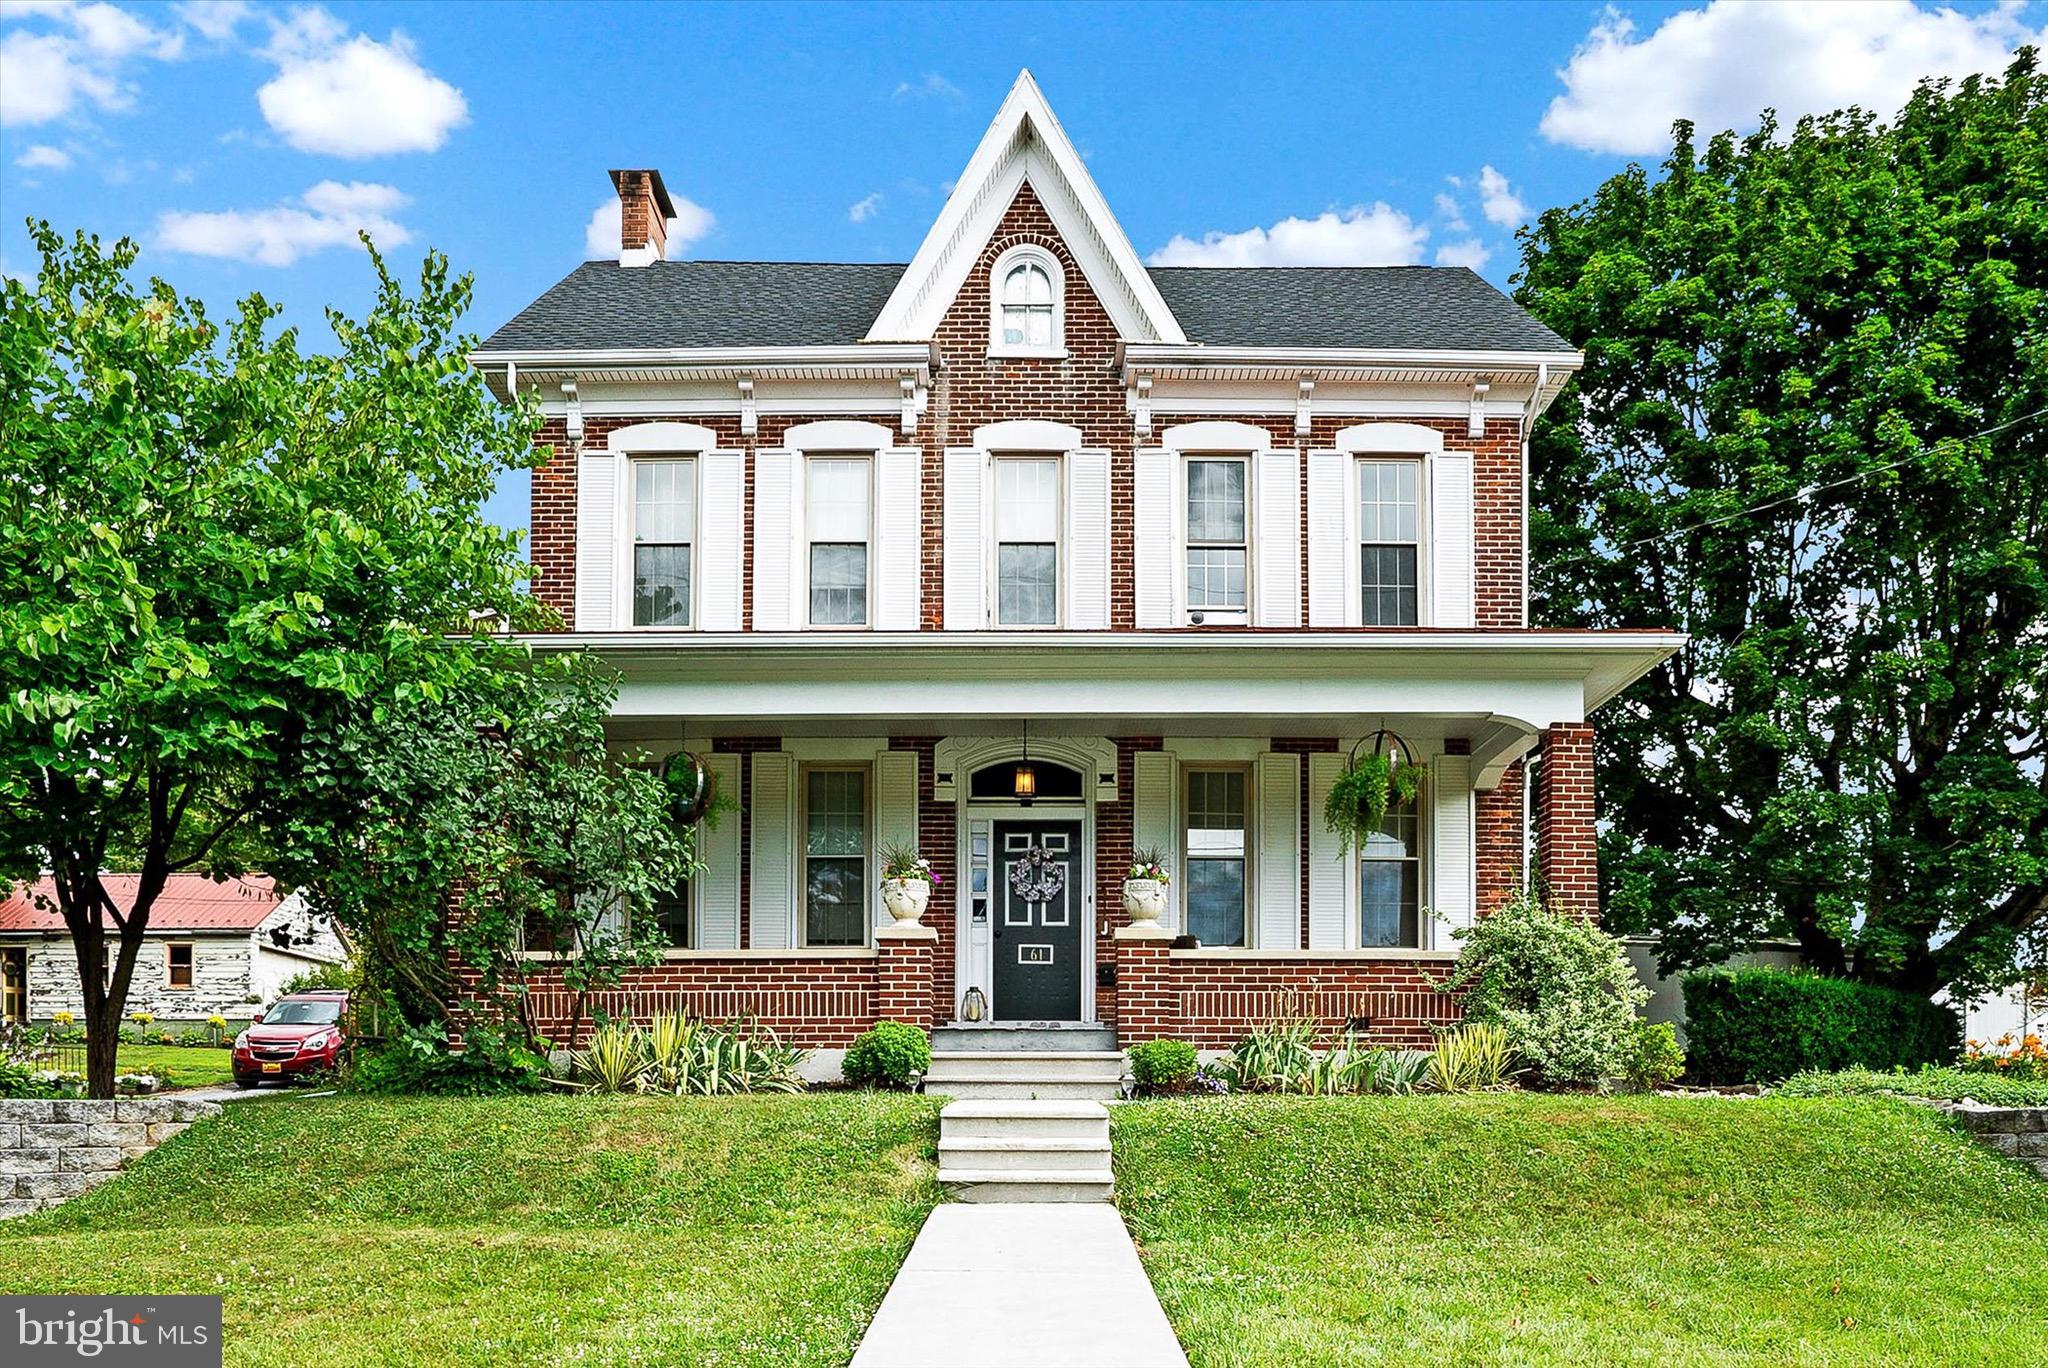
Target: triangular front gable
x,y
1025,143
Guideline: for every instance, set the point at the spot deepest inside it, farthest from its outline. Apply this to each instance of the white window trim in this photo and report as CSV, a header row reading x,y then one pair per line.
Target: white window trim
x,y
1032,253
993,552
1183,543
631,540
1426,930
1425,608
193,961
804,540
830,759
1181,857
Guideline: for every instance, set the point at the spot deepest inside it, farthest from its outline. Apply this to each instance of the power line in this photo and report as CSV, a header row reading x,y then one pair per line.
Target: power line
x,y
1794,497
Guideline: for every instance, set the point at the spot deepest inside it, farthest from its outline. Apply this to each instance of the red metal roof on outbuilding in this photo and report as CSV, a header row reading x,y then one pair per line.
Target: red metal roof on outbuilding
x,y
189,902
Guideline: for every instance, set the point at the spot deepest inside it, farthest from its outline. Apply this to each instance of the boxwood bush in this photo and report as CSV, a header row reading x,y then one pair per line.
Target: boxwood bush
x,y
1763,1025
1162,1065
889,1054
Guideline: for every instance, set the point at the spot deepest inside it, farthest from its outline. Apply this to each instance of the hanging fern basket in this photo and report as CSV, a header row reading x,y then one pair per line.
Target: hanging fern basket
x,y
1373,782
691,787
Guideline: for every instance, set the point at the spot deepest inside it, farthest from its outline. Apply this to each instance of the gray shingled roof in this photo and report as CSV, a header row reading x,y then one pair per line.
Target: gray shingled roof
x,y
802,303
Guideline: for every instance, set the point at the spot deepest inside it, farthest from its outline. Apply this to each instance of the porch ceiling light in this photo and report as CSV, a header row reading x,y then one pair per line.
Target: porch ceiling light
x,y
1024,779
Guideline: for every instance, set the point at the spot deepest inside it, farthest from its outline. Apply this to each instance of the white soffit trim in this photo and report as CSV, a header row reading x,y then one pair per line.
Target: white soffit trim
x,y
1026,434
1025,142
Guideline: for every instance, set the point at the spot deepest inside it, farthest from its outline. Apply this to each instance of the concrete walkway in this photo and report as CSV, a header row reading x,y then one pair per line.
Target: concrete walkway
x,y
1021,1285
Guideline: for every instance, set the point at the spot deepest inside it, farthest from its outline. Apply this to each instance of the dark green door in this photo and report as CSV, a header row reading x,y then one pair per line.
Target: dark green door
x,y
1038,921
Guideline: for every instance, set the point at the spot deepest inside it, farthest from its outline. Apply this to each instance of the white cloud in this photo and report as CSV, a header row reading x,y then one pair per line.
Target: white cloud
x,y
215,20
1379,235
1721,66
1471,254
43,157
354,97
1452,213
862,210
328,215
1501,205
46,73
691,223
930,85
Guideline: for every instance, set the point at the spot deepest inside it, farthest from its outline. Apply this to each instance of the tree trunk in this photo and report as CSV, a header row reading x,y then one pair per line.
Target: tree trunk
x,y
102,1042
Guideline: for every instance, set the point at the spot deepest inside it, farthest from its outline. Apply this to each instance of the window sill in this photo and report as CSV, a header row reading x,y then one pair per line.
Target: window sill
x,y
1231,952
1028,353
821,952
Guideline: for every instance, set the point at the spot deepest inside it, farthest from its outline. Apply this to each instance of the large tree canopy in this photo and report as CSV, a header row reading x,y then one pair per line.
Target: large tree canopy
x,y
1809,433
235,579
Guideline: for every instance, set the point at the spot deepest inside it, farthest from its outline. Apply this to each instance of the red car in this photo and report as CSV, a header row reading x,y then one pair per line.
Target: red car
x,y
300,1034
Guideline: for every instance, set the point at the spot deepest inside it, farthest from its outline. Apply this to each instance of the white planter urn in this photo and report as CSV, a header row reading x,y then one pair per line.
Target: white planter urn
x,y
1145,901
906,899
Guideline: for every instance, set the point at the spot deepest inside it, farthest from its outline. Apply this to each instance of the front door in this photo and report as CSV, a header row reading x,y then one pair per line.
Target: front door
x,y
1038,922
14,983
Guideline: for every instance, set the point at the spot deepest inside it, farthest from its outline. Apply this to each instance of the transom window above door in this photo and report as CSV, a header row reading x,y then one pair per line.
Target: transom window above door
x,y
1216,546
664,530
1027,550
1027,286
837,502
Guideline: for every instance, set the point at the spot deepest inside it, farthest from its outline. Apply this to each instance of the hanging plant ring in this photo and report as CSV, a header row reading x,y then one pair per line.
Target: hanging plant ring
x,y
1372,783
691,787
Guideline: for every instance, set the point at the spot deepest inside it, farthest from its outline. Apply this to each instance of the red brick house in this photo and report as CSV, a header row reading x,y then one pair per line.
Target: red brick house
x,y
880,541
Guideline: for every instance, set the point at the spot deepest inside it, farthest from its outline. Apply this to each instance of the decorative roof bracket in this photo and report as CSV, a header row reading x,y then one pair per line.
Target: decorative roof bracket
x,y
749,417
1141,405
573,415
1302,405
1475,424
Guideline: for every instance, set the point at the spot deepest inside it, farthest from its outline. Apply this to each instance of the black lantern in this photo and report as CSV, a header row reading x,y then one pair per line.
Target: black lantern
x,y
691,787
1024,781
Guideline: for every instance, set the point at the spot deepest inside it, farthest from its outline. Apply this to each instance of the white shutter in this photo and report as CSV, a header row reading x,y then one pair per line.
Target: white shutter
x,y
1452,895
1155,821
1450,539
1278,865
895,813
1329,870
775,513
1277,503
771,906
966,540
718,849
1154,538
600,569
721,546
899,537
1331,563
1087,541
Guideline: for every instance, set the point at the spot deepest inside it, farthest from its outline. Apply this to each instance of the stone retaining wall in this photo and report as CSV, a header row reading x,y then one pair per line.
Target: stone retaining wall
x,y
2021,1132
52,1151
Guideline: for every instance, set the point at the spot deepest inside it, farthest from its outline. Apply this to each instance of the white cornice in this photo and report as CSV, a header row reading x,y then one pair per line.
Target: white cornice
x,y
1160,357
881,355
1025,143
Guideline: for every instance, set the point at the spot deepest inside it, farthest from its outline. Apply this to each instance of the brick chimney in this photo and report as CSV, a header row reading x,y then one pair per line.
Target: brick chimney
x,y
644,212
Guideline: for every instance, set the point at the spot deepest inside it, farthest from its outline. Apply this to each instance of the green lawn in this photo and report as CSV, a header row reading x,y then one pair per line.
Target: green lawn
x,y
1536,1230
513,1230
178,1065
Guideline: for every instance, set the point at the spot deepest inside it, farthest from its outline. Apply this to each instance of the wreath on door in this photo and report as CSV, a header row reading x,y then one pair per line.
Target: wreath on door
x,y
1036,877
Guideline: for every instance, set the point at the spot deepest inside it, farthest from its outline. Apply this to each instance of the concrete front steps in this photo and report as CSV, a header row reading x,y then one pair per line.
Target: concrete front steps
x,y
1025,1150
1026,1060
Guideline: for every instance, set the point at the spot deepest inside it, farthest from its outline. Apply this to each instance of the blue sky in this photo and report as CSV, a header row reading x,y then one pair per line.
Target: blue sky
x,y
242,144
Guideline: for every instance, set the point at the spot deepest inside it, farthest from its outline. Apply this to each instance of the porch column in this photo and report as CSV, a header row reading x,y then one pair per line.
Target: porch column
x,y
903,973
1565,851
1145,1005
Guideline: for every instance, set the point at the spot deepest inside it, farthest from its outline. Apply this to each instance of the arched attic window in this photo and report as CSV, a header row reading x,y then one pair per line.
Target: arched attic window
x,y
1027,316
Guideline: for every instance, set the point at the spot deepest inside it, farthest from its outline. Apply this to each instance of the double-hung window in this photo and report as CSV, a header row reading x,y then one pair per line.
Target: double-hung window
x,y
1216,855
178,966
1216,534
1027,523
837,499
1389,516
835,856
1390,882
664,527
1027,306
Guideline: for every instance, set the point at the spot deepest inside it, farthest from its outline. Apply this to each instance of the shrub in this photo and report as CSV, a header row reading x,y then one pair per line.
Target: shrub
x,y
1475,1055
1945,1085
1163,1065
1562,988
1654,1057
420,1060
323,978
889,1054
1761,1025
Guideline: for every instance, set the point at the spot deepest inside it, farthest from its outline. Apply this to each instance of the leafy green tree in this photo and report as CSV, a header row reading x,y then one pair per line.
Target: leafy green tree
x,y
1810,434
223,561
